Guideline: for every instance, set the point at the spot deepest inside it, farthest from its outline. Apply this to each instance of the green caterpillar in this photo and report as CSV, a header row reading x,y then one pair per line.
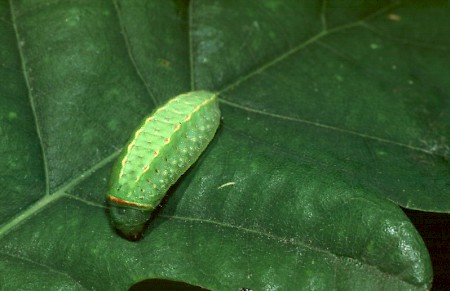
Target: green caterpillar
x,y
161,149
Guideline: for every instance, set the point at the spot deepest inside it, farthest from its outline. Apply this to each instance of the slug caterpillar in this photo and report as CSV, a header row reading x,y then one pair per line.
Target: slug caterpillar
x,y
160,150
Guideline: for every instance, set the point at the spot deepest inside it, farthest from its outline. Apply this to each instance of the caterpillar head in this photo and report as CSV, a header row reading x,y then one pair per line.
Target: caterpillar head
x,y
129,221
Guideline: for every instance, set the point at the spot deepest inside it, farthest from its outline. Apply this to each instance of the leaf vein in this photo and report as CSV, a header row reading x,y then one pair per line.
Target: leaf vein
x,y
330,127
131,55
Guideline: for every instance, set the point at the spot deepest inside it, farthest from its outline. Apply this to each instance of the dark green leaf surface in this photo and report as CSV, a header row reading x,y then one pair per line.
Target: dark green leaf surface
x,y
332,115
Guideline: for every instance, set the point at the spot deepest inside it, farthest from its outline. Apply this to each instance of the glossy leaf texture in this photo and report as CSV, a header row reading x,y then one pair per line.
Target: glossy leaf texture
x,y
333,115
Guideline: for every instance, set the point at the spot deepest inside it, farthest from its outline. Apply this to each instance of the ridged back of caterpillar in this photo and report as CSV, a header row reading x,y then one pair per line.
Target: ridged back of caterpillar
x,y
164,147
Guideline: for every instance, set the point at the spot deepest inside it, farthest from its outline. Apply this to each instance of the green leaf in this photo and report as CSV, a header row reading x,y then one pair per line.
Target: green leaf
x,y
333,115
